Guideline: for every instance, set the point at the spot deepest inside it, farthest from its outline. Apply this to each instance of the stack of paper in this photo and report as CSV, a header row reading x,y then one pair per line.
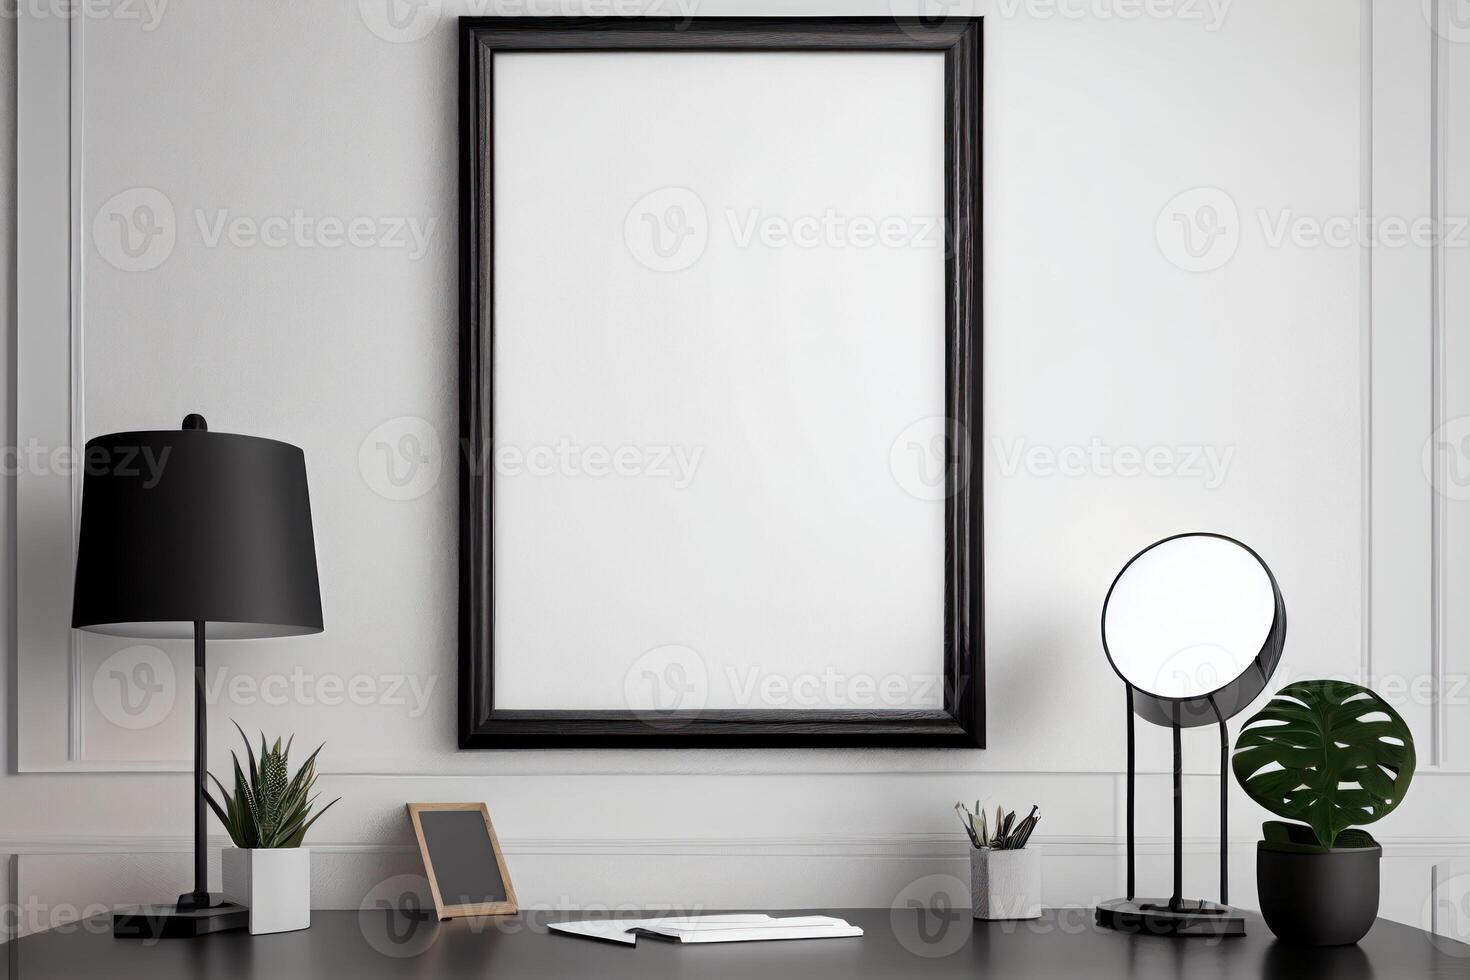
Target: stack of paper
x,y
711,928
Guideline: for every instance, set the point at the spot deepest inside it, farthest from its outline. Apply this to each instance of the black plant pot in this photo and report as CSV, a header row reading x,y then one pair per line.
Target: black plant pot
x,y
1327,898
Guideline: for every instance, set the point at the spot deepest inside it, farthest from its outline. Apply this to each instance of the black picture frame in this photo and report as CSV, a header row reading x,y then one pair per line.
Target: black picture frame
x,y
961,722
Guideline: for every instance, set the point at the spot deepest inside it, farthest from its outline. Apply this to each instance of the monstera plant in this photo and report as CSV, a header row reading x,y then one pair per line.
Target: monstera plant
x,y
1330,756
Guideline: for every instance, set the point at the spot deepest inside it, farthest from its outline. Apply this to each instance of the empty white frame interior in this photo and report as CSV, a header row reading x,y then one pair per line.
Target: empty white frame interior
x,y
719,380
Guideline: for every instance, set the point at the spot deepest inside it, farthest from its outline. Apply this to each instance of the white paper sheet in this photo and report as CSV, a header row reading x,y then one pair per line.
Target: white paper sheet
x,y
712,928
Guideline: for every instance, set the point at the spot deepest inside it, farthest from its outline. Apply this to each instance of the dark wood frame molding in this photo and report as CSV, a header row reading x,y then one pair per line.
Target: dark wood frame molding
x,y
961,722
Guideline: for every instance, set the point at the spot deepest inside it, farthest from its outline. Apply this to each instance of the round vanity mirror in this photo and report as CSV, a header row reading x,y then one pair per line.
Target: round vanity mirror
x,y
1194,624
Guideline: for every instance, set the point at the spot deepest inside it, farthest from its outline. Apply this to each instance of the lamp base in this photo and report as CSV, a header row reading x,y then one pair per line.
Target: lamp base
x,y
1155,917
180,921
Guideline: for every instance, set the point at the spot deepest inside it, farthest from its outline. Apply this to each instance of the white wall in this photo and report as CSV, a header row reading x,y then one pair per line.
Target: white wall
x,y
1246,371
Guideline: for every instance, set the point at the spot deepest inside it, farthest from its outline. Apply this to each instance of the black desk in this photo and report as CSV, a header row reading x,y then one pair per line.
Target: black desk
x,y
1064,943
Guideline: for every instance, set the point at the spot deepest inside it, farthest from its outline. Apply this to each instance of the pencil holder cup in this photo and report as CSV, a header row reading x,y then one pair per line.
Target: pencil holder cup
x,y
1005,884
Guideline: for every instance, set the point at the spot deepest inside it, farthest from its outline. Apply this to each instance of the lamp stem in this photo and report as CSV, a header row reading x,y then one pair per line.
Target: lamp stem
x,y
1130,793
201,757
1177,902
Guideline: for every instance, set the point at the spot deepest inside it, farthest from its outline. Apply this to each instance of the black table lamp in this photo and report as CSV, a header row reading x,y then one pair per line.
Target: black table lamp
x,y
212,540
1194,625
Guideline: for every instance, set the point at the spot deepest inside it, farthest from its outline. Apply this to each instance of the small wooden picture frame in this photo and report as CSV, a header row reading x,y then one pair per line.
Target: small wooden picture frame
x,y
466,871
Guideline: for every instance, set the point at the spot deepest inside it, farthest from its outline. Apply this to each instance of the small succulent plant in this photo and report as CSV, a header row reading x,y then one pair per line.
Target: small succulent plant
x,y
270,807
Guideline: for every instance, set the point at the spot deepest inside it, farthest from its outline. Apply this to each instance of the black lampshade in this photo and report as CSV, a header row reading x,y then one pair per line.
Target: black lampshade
x,y
193,526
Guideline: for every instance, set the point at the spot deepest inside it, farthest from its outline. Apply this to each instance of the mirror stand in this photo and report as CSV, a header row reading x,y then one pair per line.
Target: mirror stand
x,y
1175,916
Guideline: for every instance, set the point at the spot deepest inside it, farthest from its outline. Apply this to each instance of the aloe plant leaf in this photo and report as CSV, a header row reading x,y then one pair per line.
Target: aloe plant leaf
x,y
297,836
1329,754
270,807
251,755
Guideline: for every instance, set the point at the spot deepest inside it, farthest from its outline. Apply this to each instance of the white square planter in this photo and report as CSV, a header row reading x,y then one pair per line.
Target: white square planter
x,y
273,883
1005,884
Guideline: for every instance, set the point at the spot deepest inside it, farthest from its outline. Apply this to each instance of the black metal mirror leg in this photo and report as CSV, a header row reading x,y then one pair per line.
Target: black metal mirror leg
x,y
1131,777
1224,805
1176,901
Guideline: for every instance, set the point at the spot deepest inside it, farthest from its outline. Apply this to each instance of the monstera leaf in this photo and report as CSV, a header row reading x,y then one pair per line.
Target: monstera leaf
x,y
1331,754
